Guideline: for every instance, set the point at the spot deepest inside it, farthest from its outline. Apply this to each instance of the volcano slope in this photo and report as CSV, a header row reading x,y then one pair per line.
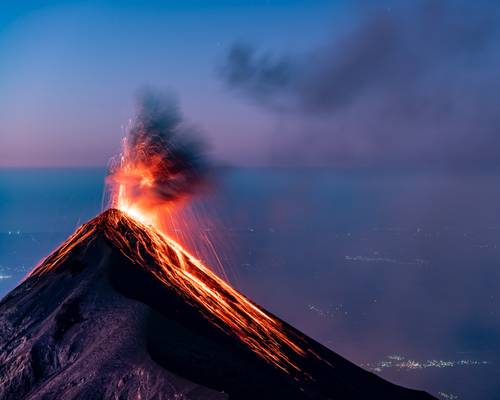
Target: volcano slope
x,y
120,311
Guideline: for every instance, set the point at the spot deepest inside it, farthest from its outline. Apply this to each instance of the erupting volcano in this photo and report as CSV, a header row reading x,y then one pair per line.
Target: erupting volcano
x,y
162,163
122,310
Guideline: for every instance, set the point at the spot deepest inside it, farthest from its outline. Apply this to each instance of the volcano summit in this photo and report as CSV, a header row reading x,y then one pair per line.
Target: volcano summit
x,y
121,311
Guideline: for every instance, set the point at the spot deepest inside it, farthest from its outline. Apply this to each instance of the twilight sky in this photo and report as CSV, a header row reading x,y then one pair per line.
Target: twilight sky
x,y
267,82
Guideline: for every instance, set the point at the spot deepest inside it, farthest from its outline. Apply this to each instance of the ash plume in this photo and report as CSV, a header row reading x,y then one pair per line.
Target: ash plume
x,y
163,158
408,82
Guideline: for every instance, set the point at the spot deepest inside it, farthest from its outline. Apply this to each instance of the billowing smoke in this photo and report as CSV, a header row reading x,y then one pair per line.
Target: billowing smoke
x,y
163,159
412,82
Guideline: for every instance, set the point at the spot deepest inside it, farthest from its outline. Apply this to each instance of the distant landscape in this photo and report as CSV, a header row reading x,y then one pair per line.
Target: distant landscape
x,y
394,270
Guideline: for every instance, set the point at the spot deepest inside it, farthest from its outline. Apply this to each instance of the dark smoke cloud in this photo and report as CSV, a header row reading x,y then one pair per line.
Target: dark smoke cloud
x,y
166,146
414,83
261,77
159,132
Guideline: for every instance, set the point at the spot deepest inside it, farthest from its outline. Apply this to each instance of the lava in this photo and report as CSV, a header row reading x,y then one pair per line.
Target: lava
x,y
155,173
161,165
174,267
132,185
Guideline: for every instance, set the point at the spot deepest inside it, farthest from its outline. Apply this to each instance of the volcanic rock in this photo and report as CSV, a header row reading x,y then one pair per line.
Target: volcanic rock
x,y
94,321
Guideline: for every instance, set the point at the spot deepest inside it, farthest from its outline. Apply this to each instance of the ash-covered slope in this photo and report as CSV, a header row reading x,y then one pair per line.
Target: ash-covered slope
x,y
119,312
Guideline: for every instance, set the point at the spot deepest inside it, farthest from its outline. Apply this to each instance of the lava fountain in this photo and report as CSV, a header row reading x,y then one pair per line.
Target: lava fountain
x,y
160,167
157,171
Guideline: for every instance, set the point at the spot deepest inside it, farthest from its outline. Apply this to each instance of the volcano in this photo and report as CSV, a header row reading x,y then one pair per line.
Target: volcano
x,y
121,311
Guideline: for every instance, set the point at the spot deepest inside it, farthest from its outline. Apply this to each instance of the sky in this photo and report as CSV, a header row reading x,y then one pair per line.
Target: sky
x,y
265,82
70,72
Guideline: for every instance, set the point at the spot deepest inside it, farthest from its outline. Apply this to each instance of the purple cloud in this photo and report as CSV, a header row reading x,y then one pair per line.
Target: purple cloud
x,y
413,84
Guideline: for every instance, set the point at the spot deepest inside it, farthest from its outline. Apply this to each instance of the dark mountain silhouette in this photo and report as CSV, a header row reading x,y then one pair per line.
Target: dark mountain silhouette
x,y
98,319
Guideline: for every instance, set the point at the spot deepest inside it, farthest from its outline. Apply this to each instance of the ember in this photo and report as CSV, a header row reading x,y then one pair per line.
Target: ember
x,y
154,175
162,163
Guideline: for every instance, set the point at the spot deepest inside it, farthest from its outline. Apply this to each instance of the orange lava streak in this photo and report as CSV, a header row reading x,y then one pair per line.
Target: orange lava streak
x,y
172,265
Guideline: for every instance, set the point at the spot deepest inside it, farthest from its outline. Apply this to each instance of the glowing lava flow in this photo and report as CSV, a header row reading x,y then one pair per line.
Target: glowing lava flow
x,y
172,265
157,170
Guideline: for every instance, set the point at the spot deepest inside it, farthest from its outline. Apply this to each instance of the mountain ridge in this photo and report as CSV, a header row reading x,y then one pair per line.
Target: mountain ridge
x,y
93,321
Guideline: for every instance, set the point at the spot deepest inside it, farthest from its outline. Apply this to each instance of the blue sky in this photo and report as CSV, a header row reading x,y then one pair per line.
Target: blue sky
x,y
320,82
70,71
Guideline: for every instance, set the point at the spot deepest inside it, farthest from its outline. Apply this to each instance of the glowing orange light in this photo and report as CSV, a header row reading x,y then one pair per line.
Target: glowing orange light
x,y
135,227
190,278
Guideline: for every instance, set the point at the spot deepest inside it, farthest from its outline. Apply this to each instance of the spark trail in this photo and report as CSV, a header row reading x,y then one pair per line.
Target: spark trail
x,y
175,268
